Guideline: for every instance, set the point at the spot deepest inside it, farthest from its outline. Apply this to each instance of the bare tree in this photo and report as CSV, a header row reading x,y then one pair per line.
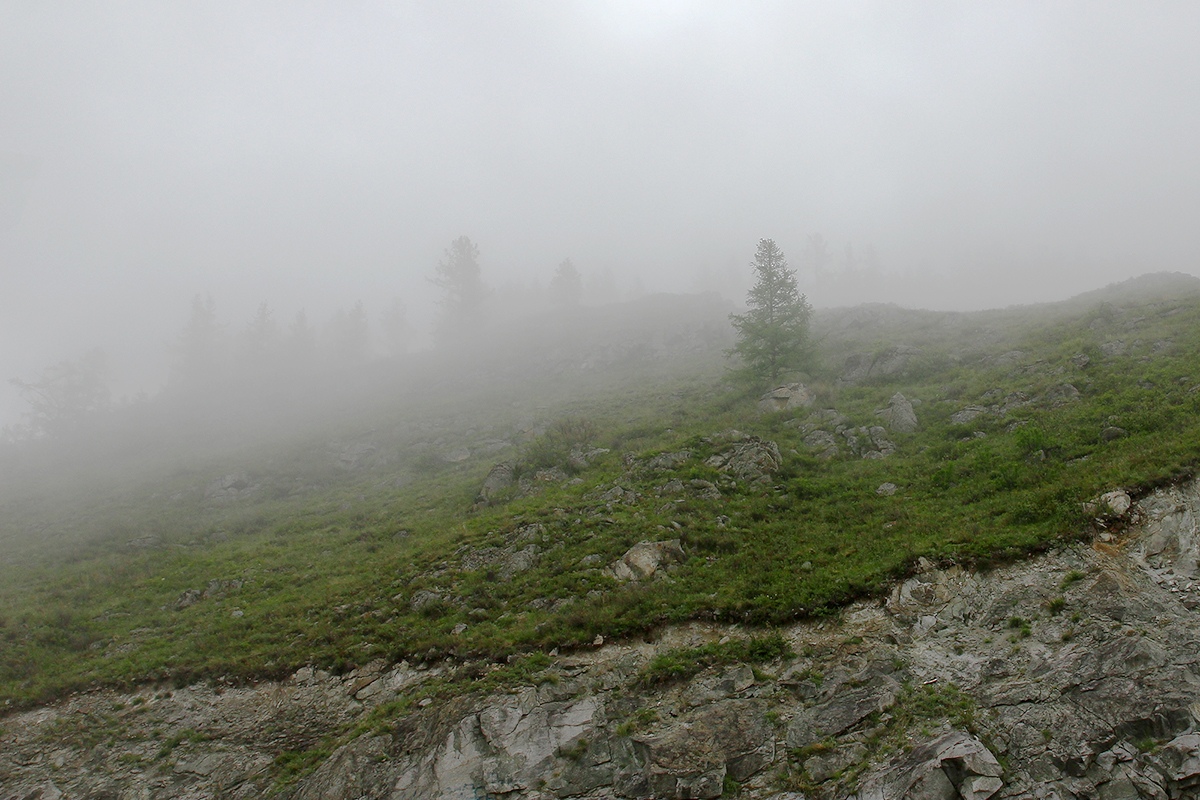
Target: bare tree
x,y
65,396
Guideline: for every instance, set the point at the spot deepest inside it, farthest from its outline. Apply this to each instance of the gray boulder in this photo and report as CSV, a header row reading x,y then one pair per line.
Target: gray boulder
x,y
823,442
891,362
455,455
499,480
1063,393
1112,432
872,442
505,561
1109,506
646,559
752,459
664,462
899,414
786,398
355,455
968,414
230,488
423,598
1114,348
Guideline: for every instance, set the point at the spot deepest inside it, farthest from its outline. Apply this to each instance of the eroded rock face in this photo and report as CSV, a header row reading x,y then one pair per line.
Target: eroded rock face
x,y
953,765
841,710
1073,675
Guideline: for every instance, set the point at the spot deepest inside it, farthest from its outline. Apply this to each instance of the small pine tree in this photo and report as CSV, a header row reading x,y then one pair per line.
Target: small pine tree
x,y
772,336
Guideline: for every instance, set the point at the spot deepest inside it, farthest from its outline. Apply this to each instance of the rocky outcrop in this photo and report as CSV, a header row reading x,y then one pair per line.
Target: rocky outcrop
x,y
786,398
1058,395
500,479
953,765
502,562
1072,675
751,459
890,363
354,455
646,559
868,442
899,414
828,431
230,488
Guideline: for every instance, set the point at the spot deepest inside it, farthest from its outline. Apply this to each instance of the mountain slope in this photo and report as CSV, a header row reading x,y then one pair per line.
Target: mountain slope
x,y
365,541
1071,674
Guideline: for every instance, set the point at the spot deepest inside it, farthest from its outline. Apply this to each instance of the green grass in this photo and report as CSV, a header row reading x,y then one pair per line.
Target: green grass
x,y
681,664
326,574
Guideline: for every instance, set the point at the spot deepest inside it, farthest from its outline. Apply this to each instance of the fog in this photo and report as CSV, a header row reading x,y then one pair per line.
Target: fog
x,y
313,156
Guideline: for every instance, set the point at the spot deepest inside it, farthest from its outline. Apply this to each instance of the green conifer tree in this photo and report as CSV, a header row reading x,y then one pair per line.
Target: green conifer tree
x,y
772,336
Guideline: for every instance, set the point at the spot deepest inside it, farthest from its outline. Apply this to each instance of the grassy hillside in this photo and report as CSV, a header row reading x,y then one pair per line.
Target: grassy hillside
x,y
361,538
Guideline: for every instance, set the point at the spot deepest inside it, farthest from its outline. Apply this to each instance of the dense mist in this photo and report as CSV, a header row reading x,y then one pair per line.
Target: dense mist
x,y
316,161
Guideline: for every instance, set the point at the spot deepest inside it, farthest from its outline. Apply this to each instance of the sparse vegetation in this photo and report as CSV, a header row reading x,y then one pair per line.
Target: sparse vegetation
x,y
638,721
1071,577
575,751
334,566
681,664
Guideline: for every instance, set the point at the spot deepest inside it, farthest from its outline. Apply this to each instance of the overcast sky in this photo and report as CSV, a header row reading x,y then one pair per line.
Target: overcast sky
x,y
316,154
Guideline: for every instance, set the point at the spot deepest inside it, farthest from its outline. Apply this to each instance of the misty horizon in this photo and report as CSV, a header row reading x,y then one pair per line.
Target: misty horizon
x,y
314,157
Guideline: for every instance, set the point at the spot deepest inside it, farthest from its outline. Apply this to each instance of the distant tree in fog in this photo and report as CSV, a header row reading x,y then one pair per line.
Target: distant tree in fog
x,y
772,336
261,337
395,328
64,396
300,347
870,261
197,351
459,277
350,336
816,256
566,287
849,262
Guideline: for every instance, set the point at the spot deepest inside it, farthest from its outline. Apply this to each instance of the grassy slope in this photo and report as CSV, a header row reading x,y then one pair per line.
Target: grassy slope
x,y
328,572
